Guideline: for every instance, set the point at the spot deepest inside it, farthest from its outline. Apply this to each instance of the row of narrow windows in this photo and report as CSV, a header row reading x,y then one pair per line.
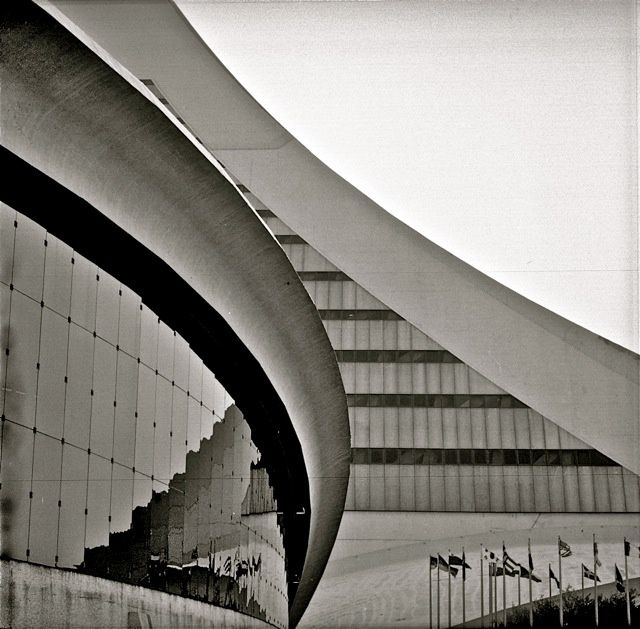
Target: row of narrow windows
x,y
478,456
434,400
395,356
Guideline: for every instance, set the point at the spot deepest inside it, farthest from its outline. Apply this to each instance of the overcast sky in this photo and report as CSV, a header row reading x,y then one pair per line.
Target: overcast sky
x,y
504,131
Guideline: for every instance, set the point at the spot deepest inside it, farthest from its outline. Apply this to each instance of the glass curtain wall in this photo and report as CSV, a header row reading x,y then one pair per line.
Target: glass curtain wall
x,y
121,454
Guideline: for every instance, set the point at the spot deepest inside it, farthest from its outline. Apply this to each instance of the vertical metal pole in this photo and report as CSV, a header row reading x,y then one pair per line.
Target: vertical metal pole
x,y
438,594
560,601
464,576
495,590
430,596
626,584
449,590
481,587
490,594
519,595
582,580
504,592
530,589
549,579
595,580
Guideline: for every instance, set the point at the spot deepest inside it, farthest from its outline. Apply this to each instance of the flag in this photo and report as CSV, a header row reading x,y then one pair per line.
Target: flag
x,y
505,571
444,566
627,548
508,561
588,574
524,574
595,555
457,561
619,579
433,562
565,549
530,562
553,576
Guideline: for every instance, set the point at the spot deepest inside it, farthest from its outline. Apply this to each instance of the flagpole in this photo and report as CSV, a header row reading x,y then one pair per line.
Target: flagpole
x,y
464,578
490,594
495,591
582,581
438,593
449,590
430,595
549,579
481,587
560,586
519,577
595,580
530,589
504,587
626,581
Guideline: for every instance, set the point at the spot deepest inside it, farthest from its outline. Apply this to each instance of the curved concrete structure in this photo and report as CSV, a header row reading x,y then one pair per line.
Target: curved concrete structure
x,y
563,371
79,119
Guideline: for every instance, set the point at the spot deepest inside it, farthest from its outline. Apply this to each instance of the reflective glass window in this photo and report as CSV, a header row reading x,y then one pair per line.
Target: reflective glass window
x,y
126,397
53,366
73,497
22,362
43,529
7,237
108,308
16,485
28,258
57,276
77,419
84,290
98,502
104,395
129,322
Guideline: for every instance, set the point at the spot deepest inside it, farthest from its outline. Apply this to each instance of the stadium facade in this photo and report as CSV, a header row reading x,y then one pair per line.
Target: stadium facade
x,y
475,415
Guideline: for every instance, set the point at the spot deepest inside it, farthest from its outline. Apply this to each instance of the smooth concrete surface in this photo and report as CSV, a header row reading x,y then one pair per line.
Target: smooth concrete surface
x,y
378,574
83,121
39,596
584,383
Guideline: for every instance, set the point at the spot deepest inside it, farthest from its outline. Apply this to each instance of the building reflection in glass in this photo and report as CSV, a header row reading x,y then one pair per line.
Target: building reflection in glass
x,y
213,534
121,455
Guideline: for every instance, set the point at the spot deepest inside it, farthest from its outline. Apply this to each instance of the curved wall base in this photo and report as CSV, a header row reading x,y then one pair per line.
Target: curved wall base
x,y
38,596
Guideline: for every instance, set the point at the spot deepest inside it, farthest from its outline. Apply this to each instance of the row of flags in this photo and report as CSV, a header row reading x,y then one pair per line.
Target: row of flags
x,y
506,566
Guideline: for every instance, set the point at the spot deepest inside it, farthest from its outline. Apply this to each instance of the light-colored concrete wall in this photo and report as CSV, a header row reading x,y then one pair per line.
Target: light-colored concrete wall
x,y
38,596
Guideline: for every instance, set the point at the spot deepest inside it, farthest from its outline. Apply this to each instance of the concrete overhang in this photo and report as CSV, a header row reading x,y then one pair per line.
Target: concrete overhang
x,y
75,115
586,384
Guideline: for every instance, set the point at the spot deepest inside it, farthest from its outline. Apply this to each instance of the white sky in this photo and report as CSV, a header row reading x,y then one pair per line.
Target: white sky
x,y
504,131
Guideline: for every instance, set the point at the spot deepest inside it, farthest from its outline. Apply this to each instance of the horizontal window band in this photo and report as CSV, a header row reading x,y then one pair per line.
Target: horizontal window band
x,y
290,239
360,315
323,276
266,214
479,456
433,400
395,356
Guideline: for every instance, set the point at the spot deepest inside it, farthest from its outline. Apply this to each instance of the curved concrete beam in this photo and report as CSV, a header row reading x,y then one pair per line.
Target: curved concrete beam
x,y
584,383
79,119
